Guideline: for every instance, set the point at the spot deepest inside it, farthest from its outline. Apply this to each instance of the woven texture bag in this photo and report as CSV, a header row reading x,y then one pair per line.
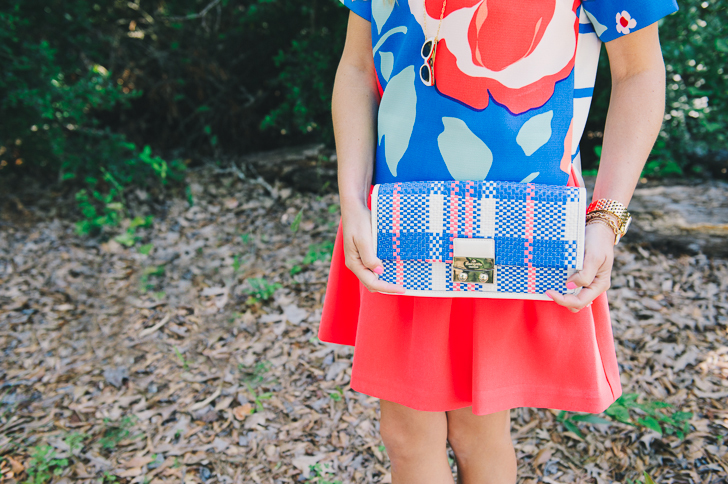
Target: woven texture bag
x,y
479,238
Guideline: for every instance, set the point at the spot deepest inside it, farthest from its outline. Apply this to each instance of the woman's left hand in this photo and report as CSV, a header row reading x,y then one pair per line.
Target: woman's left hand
x,y
595,277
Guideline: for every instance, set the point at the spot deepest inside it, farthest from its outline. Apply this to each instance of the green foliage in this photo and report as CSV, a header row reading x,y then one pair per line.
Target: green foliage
x,y
43,466
645,475
261,290
95,88
257,378
693,139
181,358
318,252
296,221
337,395
570,421
115,432
53,94
109,478
74,440
236,263
130,237
318,473
653,418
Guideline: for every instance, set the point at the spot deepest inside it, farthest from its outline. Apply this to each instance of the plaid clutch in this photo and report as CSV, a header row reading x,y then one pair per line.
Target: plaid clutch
x,y
479,238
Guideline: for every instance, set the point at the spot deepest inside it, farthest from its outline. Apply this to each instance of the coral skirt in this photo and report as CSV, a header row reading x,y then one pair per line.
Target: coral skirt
x,y
438,354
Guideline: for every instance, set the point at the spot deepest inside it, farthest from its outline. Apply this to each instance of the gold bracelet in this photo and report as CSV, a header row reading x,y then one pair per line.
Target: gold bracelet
x,y
615,208
603,214
603,218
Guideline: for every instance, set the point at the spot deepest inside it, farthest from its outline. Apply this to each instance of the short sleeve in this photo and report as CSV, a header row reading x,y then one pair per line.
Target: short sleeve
x,y
615,18
363,8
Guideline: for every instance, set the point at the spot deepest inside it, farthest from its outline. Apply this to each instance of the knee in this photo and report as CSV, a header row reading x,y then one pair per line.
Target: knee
x,y
472,442
461,440
405,442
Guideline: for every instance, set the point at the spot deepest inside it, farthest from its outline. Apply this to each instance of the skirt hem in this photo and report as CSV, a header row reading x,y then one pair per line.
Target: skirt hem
x,y
498,400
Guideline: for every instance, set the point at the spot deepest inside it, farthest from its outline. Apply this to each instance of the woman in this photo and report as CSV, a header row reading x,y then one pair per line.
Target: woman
x,y
512,86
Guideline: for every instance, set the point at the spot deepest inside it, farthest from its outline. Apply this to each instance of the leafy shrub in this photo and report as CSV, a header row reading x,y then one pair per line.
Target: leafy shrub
x,y
104,84
43,465
261,290
53,93
653,416
693,137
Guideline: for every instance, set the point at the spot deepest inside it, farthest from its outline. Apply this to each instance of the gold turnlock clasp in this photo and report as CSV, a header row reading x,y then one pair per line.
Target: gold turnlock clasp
x,y
474,261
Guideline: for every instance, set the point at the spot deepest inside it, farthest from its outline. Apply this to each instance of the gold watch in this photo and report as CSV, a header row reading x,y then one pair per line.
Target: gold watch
x,y
615,208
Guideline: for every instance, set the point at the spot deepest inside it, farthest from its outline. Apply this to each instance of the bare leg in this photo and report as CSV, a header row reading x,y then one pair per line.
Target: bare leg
x,y
482,446
416,443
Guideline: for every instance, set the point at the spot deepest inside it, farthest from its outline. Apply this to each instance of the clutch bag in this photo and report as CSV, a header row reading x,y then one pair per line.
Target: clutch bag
x,y
479,238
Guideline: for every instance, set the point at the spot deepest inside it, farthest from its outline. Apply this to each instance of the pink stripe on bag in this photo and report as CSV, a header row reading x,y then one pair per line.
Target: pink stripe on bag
x,y
528,253
396,227
469,209
454,224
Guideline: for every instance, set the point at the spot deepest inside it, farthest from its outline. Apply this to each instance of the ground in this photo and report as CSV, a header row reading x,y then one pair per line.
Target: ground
x,y
178,357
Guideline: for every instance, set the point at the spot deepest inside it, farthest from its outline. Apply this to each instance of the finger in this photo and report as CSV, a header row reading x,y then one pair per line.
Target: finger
x,y
367,255
584,277
581,300
367,277
373,283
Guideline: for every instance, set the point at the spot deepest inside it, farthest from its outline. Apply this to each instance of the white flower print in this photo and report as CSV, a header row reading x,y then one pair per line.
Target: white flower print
x,y
625,22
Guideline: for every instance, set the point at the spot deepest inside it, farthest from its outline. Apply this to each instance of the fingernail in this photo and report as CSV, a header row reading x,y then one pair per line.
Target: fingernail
x,y
570,285
379,269
549,296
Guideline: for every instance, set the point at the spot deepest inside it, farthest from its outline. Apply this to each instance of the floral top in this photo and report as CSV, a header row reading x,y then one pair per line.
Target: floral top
x,y
513,84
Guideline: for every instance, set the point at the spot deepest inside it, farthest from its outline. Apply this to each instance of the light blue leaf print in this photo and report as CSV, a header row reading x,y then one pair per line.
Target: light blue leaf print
x,y
535,132
381,10
401,29
387,59
467,157
599,28
530,177
396,117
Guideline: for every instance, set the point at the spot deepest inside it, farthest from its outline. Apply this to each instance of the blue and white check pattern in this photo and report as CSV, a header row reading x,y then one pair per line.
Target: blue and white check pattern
x,y
536,229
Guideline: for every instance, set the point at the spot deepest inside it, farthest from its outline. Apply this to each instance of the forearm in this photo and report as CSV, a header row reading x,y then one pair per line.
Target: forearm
x,y
636,110
354,106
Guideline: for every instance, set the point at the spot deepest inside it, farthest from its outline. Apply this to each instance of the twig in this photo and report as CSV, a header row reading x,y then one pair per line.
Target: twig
x,y
193,16
203,403
151,330
259,180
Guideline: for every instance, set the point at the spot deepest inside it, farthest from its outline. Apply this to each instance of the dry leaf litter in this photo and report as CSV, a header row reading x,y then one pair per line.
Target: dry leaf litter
x,y
153,363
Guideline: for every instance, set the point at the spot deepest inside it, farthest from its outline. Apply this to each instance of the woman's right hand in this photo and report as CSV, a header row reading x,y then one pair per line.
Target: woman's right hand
x,y
359,249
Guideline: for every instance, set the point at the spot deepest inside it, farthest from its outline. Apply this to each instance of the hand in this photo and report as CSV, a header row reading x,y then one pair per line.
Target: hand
x,y
359,249
595,277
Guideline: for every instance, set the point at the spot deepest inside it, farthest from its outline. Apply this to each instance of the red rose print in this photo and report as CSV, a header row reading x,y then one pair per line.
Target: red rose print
x,y
495,47
434,7
478,57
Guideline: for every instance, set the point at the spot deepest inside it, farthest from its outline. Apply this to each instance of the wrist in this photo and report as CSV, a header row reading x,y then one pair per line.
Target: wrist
x,y
611,213
602,230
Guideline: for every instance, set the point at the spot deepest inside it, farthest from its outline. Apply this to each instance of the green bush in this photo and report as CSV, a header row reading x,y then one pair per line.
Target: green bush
x,y
54,89
88,84
693,137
